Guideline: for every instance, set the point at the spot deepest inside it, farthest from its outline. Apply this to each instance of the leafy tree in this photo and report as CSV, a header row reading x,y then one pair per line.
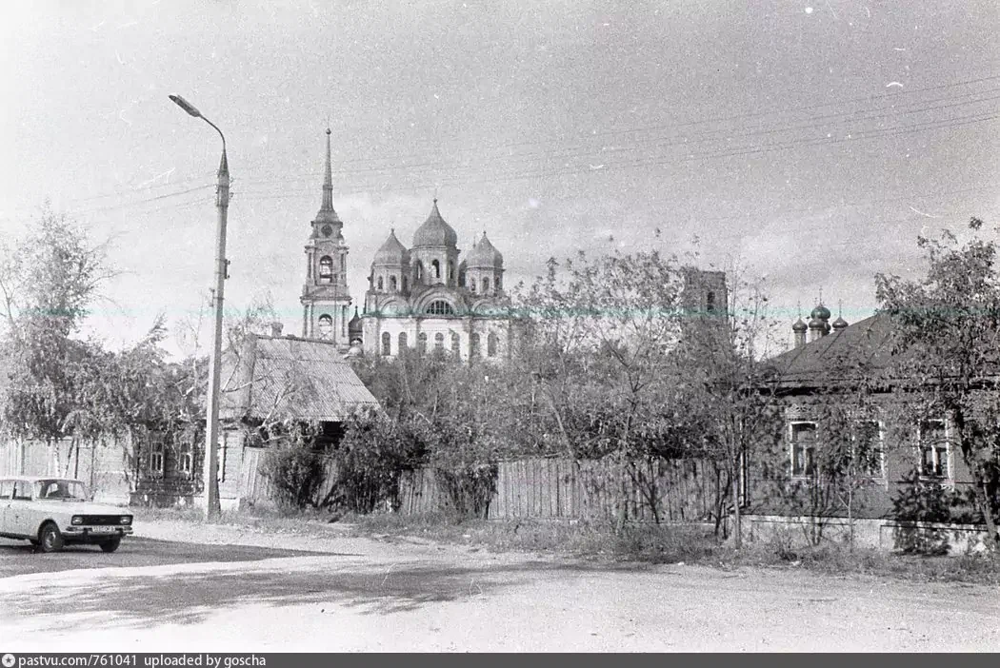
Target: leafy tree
x,y
947,326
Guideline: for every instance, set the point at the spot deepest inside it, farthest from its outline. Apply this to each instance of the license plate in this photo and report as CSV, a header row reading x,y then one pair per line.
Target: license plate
x,y
104,530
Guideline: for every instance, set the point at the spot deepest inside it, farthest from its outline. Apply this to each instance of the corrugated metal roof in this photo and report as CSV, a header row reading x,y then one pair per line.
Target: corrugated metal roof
x,y
295,378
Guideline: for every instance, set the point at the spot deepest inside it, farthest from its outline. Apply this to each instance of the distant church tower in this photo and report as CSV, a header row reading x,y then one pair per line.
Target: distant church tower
x,y
325,295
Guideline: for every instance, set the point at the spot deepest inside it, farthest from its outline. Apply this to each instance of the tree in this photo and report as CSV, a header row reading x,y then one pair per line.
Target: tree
x,y
947,327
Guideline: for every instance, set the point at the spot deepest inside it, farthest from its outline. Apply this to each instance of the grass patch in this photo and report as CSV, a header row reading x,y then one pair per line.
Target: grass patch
x,y
258,518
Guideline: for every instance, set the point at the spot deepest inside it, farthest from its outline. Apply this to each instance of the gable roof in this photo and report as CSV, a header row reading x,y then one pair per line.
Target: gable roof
x,y
301,379
867,344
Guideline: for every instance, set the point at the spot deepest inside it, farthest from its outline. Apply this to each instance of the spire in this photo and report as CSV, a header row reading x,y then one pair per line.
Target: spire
x,y
326,213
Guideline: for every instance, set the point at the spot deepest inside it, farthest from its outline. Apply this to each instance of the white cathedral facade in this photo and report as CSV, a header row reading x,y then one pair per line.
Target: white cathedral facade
x,y
424,298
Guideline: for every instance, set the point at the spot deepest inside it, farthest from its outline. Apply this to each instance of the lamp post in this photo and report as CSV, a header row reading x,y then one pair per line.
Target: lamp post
x,y
211,464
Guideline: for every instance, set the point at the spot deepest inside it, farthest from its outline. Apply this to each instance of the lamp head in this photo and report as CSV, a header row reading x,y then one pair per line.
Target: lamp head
x,y
185,105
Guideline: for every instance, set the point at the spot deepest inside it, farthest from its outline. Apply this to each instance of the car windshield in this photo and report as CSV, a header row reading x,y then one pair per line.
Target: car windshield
x,y
63,490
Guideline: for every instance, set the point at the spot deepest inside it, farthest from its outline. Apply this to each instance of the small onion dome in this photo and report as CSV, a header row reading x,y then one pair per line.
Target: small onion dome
x,y
355,351
816,323
435,232
820,312
799,326
839,324
484,254
391,252
354,327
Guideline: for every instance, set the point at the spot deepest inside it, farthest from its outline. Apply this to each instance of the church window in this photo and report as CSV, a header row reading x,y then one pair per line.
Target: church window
x,y
326,269
474,345
379,283
402,342
325,325
486,285
451,271
392,284
455,343
461,278
439,341
440,307
406,283
491,345
472,285
386,344
710,302
422,343
419,271
436,268
343,263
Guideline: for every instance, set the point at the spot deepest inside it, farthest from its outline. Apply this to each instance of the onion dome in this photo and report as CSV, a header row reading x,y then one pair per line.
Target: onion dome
x,y
354,327
839,324
484,254
816,323
820,312
799,326
435,232
392,251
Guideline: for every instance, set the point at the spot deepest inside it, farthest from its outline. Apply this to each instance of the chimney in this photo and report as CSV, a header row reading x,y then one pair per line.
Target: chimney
x,y
276,329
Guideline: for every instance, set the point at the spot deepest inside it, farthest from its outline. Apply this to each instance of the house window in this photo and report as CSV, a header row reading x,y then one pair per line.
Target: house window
x,y
386,344
380,284
422,343
803,440
440,307
184,460
436,268
439,341
402,342
486,285
491,345
455,343
474,345
392,284
326,269
933,444
866,445
156,459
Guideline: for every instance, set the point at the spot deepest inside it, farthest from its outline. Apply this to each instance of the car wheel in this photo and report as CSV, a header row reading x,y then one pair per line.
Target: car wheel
x,y
111,545
49,538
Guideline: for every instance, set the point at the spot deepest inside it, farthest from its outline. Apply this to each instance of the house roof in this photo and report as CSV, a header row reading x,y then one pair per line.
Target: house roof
x,y
290,378
865,344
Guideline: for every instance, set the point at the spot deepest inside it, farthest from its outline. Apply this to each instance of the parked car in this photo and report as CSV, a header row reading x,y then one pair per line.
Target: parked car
x,y
53,512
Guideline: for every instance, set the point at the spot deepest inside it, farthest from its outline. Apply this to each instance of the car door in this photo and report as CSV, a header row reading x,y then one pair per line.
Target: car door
x,y
19,510
6,487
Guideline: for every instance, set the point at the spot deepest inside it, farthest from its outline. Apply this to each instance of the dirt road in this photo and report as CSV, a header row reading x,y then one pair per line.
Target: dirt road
x,y
330,592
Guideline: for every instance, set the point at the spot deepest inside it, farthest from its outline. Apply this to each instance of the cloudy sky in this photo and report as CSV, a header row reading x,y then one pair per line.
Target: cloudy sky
x,y
806,141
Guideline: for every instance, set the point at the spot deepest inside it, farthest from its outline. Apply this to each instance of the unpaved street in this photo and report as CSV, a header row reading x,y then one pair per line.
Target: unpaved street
x,y
330,592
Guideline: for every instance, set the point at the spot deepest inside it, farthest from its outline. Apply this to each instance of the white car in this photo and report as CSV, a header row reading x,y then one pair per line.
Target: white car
x,y
53,512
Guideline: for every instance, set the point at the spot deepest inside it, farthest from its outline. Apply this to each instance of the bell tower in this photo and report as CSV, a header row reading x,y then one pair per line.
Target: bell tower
x,y
325,295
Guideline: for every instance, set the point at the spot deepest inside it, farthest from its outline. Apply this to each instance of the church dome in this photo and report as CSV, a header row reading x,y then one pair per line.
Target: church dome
x,y
435,232
391,252
839,324
799,326
821,313
485,254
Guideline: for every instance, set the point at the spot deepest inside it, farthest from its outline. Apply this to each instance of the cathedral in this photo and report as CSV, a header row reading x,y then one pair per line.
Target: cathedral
x,y
423,298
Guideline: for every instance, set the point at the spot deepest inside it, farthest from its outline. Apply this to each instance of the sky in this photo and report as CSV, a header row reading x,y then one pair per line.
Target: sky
x,y
802,143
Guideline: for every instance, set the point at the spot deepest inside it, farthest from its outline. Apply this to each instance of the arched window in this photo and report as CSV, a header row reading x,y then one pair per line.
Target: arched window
x,y
440,307
326,269
472,285
436,268
386,343
379,288
325,325
491,345
439,341
486,285
343,263
406,284
402,342
392,284
455,343
451,271
419,271
473,345
710,302
422,343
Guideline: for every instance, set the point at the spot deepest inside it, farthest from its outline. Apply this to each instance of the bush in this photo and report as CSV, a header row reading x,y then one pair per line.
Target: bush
x,y
296,472
469,487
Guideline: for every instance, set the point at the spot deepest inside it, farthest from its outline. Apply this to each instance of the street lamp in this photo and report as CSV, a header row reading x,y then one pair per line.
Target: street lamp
x,y
211,464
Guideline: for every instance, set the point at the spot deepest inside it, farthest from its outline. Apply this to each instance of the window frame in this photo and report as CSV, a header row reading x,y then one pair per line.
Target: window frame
x,y
880,448
944,465
808,467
